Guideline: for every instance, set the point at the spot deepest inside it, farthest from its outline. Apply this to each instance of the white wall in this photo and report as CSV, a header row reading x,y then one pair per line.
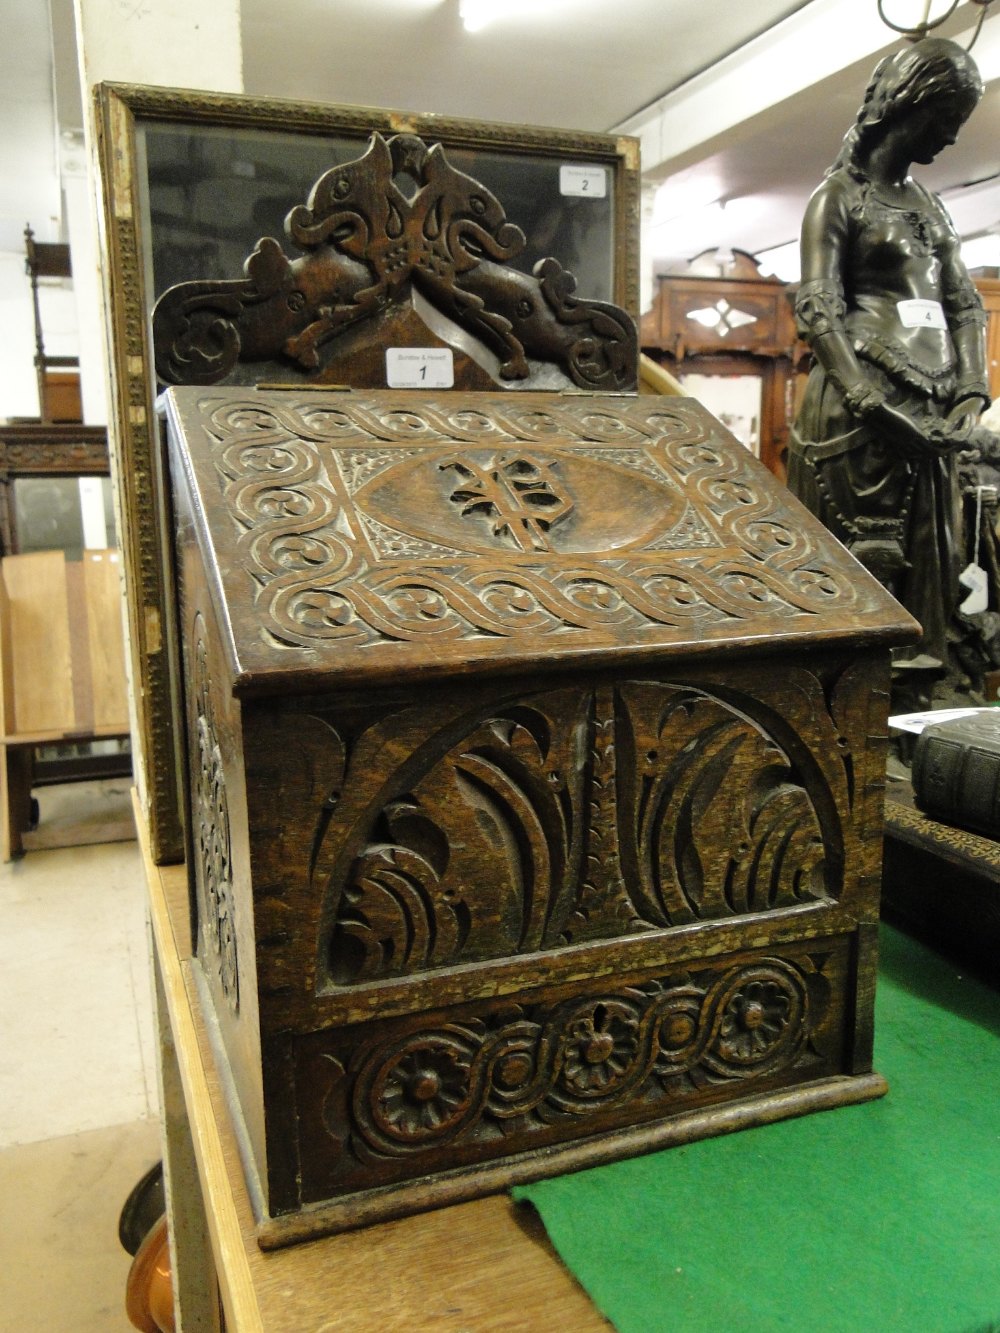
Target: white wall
x,y
18,390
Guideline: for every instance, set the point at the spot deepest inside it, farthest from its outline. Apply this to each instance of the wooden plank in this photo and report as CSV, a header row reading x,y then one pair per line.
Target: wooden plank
x,y
485,1265
196,1293
51,737
103,594
39,642
6,662
228,1246
79,647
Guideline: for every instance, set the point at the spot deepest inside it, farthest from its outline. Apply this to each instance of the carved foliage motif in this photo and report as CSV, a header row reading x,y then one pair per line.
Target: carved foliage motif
x,y
349,516
366,241
516,1073
699,767
211,834
476,858
568,816
519,493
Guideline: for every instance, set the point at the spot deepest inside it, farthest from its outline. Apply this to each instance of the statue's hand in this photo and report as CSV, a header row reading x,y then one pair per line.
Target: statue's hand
x,y
964,414
909,434
917,436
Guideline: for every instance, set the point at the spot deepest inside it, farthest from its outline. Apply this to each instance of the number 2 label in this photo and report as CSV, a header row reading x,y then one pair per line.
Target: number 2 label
x,y
583,182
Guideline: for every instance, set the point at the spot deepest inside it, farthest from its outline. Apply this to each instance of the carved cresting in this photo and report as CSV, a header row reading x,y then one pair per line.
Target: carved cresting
x,y
574,814
213,869
368,244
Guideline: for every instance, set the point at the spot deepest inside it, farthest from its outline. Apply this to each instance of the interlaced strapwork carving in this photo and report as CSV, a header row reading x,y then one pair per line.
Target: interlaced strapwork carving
x,y
623,1051
213,870
412,521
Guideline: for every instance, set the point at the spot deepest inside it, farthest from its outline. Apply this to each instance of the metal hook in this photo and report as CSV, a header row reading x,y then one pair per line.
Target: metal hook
x,y
921,30
918,33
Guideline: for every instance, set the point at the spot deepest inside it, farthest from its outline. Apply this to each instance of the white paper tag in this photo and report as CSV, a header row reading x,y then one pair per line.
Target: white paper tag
x,y
419,367
583,182
915,722
975,578
918,314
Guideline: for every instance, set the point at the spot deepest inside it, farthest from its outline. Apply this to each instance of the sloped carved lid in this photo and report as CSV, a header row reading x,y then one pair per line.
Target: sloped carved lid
x,y
357,536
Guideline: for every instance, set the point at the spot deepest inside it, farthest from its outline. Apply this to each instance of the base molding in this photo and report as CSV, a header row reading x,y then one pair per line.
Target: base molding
x,y
461,1185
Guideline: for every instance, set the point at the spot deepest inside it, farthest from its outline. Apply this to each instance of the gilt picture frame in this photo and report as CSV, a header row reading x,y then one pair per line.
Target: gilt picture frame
x,y
190,182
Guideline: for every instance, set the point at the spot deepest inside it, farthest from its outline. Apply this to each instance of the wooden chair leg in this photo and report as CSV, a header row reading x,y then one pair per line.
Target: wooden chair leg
x,y
15,815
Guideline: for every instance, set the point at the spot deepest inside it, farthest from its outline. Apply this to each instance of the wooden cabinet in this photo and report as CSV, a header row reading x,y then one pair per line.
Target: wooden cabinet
x,y
536,752
726,322
989,290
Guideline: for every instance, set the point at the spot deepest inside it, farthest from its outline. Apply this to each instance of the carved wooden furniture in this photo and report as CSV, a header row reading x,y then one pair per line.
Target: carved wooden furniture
x,y
31,449
942,883
723,319
501,1274
399,250
58,376
62,667
190,181
536,768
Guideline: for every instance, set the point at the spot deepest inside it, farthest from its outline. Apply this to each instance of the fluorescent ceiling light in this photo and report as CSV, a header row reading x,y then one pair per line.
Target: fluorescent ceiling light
x,y
478,14
782,261
982,252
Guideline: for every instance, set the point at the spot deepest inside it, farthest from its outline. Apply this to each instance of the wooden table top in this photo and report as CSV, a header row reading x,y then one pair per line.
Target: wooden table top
x,y
471,1268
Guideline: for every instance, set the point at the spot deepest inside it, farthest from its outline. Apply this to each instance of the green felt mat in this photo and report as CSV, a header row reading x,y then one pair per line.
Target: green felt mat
x,y
879,1217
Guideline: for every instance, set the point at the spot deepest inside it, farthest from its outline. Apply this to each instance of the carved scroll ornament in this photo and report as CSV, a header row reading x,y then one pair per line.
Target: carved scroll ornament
x,y
431,524
367,246
580,1058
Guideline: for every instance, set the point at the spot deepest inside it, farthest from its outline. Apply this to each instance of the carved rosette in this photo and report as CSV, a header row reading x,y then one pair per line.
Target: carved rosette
x,y
211,836
579,1060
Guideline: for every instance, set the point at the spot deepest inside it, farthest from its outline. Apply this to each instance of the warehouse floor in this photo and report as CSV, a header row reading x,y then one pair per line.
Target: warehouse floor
x,y
78,1094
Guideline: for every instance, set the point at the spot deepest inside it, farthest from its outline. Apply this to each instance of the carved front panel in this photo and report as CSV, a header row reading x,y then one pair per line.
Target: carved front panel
x,y
568,816
395,1100
381,531
490,824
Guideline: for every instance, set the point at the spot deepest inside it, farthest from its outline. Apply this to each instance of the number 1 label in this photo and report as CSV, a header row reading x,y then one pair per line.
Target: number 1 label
x,y
419,367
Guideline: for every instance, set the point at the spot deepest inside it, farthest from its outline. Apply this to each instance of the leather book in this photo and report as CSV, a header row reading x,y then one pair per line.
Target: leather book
x,y
956,771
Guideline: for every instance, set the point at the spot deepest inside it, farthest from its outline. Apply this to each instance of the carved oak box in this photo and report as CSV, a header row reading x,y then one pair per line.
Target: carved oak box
x,y
536,754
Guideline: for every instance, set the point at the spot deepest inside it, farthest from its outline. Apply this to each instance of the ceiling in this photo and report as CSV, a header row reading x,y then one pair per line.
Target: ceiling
x,y
737,102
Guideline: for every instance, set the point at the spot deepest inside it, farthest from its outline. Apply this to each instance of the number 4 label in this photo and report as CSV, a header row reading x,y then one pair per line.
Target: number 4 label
x,y
583,182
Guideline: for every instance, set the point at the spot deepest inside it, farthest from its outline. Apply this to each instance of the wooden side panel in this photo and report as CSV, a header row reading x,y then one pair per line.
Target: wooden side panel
x,y
39,642
6,662
106,639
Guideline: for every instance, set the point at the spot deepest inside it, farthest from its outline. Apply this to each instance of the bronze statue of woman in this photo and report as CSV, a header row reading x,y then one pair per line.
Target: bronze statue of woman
x,y
896,329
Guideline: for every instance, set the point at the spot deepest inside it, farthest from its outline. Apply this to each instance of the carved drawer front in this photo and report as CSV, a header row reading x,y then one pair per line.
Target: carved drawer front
x,y
536,765
393,1100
